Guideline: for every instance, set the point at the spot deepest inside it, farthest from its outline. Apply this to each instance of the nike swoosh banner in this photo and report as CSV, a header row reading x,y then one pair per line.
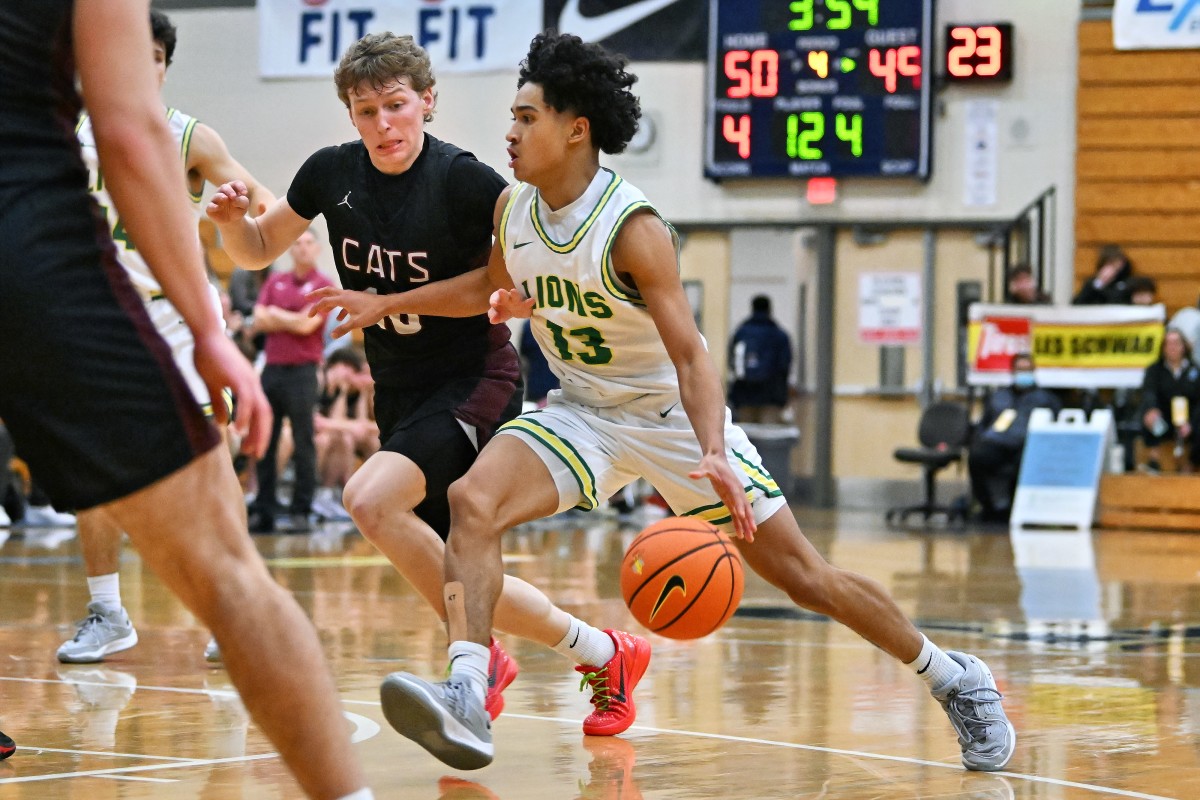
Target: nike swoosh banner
x,y
644,30
306,38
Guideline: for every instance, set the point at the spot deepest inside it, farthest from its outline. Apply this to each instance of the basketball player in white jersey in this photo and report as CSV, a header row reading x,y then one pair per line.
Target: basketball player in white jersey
x,y
592,261
107,628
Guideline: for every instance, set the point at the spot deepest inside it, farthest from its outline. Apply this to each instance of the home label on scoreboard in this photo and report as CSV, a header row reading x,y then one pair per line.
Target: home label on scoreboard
x,y
802,88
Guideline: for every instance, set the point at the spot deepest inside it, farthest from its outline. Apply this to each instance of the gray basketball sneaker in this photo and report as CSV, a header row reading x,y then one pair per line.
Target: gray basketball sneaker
x,y
212,652
106,630
445,718
972,702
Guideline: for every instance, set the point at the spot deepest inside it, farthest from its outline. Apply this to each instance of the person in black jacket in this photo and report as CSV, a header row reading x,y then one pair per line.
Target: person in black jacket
x,y
1170,399
760,358
994,459
1110,284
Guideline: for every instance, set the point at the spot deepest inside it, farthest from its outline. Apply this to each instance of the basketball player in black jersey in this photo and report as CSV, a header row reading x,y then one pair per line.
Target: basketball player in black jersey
x,y
405,210
89,390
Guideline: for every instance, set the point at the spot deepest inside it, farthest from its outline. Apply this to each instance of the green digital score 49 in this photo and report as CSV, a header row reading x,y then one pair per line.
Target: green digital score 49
x,y
804,88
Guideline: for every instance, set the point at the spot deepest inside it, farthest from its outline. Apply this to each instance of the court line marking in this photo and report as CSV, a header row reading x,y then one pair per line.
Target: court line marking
x,y
860,754
137,778
367,724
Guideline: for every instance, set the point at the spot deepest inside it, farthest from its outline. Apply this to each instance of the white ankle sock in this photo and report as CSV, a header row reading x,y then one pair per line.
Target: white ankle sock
x,y
361,794
106,589
586,645
469,662
935,667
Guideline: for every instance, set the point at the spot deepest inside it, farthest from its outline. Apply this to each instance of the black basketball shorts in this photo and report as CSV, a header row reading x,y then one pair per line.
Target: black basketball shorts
x,y
88,389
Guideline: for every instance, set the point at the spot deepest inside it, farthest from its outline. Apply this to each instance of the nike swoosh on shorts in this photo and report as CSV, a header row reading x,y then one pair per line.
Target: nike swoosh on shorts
x,y
601,26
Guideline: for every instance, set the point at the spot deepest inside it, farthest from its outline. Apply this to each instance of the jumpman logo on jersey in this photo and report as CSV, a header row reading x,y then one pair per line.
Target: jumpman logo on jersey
x,y
346,200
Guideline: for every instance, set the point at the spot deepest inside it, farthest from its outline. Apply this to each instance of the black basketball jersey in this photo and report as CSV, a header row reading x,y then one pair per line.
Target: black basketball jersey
x,y
38,101
392,233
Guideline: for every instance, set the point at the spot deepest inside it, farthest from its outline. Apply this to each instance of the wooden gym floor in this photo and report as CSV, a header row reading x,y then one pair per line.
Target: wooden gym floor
x,y
1092,637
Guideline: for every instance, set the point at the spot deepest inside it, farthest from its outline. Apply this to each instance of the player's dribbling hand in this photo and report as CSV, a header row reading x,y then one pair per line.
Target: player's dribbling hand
x,y
356,309
729,488
222,365
229,204
506,304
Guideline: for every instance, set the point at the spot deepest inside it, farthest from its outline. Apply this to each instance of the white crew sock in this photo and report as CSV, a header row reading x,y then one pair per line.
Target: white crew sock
x,y
469,662
106,589
935,667
586,645
361,794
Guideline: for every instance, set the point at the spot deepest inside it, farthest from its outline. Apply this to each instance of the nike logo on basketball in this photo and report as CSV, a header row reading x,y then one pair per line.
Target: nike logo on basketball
x,y
519,245
674,582
663,414
346,200
595,27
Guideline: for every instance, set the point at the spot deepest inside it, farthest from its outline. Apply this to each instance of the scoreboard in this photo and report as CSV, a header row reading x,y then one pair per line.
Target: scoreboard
x,y
804,88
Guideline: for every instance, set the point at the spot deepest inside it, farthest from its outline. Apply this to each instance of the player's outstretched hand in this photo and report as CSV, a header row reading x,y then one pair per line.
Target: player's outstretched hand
x,y
729,488
506,304
229,204
222,365
358,309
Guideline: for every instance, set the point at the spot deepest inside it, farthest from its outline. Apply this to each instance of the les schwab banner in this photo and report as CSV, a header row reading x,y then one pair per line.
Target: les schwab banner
x,y
1080,347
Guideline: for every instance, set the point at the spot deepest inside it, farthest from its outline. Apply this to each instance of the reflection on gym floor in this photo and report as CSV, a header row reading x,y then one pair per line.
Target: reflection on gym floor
x,y
1092,637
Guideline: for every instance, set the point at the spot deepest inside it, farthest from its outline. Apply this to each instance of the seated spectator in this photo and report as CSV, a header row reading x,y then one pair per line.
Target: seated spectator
x,y
1143,291
1170,401
1023,288
1187,321
994,459
1110,283
345,428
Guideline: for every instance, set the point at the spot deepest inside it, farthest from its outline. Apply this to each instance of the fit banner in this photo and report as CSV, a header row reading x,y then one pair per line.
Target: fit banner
x,y
306,38
1082,347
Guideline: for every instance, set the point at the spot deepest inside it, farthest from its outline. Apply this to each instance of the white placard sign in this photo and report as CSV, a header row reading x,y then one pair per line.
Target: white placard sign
x,y
889,308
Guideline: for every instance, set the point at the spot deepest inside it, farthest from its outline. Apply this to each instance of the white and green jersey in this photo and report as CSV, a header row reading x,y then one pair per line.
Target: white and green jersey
x,y
597,335
139,273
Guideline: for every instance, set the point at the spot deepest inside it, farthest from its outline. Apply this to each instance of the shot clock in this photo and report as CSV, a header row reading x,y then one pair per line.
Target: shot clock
x,y
806,88
979,53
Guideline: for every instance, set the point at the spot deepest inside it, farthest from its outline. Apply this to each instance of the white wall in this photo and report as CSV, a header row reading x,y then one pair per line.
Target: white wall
x,y
273,126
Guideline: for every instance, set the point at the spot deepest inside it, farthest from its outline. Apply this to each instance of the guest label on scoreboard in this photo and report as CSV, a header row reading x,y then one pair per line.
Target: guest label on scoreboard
x,y
802,88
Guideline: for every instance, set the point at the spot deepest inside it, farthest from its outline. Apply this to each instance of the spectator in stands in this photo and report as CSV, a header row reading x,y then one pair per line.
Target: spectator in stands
x,y
1110,283
293,354
994,459
345,427
1023,288
539,379
1187,321
1170,401
760,359
1143,291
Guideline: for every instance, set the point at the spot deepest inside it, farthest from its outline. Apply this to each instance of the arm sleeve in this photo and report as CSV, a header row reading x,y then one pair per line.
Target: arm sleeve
x,y
304,193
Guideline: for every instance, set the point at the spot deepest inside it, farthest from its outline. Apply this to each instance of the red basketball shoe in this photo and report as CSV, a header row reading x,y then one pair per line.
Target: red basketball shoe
x,y
7,746
612,685
502,671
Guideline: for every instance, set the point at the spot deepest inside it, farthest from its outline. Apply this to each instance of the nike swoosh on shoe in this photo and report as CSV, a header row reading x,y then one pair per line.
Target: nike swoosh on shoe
x,y
601,26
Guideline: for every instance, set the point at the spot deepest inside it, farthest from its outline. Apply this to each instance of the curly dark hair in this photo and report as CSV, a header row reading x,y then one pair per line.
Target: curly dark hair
x,y
162,31
587,80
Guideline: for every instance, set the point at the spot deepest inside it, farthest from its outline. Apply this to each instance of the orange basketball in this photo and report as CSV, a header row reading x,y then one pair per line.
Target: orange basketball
x,y
682,578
